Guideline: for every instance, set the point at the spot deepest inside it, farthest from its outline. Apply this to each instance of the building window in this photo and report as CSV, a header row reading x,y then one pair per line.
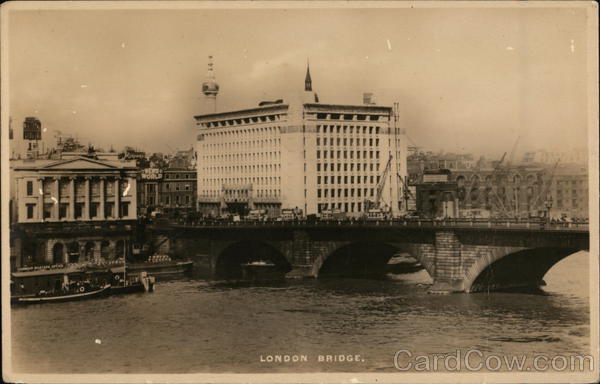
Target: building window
x,y
94,210
108,210
78,210
125,209
30,210
30,188
62,210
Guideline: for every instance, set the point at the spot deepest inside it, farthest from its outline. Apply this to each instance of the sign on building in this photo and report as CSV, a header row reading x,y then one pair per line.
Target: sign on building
x,y
152,174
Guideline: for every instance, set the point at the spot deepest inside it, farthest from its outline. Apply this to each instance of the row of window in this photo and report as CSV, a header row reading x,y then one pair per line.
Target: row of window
x,y
243,193
63,210
344,154
342,207
242,180
346,116
330,167
245,120
260,168
180,176
241,145
237,157
346,142
347,129
345,179
345,192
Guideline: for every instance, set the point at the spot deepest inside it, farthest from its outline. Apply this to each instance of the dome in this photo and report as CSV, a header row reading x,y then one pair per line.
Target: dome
x,y
210,87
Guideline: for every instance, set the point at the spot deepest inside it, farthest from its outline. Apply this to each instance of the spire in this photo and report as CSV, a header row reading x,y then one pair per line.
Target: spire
x,y
307,80
210,88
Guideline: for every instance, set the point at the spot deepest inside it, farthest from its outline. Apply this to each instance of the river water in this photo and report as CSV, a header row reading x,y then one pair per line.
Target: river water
x,y
197,326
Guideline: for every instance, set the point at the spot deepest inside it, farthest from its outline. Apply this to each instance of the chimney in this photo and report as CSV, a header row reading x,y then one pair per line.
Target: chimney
x,y
368,98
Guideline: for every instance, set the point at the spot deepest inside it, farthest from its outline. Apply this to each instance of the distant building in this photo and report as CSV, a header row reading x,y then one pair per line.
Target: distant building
x,y
542,156
569,192
149,188
32,135
436,195
178,190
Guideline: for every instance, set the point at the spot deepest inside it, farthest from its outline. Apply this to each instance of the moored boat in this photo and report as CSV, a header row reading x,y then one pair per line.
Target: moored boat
x,y
80,294
262,271
161,266
124,281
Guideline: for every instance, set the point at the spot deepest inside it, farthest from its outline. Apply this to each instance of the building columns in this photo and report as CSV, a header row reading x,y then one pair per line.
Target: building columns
x,y
117,198
40,193
86,210
71,198
102,198
56,200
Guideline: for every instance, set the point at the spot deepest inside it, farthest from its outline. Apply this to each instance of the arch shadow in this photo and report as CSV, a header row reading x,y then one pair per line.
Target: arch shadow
x,y
230,260
520,270
358,259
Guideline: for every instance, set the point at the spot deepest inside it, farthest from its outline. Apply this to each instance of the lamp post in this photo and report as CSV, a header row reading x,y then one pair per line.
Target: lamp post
x,y
548,207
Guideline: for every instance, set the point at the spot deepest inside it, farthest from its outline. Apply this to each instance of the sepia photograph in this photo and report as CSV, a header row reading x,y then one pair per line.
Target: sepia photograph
x,y
299,192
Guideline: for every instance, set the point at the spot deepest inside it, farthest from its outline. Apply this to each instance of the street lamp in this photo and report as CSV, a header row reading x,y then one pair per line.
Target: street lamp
x,y
548,207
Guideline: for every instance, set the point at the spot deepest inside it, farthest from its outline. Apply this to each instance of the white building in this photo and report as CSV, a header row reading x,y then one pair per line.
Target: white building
x,y
74,188
299,154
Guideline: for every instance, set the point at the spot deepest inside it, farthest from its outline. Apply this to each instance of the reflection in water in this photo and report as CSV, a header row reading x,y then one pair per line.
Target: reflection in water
x,y
198,326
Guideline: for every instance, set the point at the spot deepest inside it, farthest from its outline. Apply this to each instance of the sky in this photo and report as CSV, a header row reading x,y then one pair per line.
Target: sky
x,y
467,80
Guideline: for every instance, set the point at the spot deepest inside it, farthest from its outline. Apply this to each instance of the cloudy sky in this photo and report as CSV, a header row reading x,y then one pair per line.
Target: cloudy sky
x,y
466,79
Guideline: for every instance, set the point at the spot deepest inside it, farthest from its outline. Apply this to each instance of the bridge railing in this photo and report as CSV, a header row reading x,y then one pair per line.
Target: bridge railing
x,y
398,222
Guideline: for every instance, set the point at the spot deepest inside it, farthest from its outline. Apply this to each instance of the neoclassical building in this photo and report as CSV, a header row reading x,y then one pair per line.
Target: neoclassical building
x,y
62,210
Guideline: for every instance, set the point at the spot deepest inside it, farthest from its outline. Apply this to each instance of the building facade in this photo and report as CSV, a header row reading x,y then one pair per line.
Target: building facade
x,y
568,193
62,209
302,154
178,190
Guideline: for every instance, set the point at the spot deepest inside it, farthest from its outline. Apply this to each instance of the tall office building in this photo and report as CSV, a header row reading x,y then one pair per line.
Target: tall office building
x,y
300,154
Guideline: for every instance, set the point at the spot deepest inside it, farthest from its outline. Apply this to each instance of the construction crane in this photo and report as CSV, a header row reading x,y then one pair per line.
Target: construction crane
x,y
544,190
373,208
406,193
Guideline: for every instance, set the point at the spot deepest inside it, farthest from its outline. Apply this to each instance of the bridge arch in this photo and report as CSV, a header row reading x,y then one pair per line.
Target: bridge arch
x,y
358,259
229,261
523,267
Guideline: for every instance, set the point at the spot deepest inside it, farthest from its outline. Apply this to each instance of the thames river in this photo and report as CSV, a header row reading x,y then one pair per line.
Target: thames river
x,y
197,326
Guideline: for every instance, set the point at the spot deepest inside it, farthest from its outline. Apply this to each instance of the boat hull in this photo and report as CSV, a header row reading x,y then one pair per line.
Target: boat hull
x,y
255,273
62,298
165,269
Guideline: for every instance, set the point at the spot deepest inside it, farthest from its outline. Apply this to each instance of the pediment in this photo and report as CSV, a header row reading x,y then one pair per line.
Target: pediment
x,y
79,163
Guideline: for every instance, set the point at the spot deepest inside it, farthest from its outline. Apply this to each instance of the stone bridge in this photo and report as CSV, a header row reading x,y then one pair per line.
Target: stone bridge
x,y
459,258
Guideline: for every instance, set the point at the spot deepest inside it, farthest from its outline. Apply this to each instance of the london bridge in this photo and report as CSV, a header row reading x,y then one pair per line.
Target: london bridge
x,y
459,255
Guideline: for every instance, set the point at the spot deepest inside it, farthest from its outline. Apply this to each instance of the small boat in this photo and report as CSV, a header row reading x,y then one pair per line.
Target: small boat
x,y
262,271
161,266
81,294
123,281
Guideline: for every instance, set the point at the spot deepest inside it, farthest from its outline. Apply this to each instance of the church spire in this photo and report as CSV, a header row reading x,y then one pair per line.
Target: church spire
x,y
308,80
